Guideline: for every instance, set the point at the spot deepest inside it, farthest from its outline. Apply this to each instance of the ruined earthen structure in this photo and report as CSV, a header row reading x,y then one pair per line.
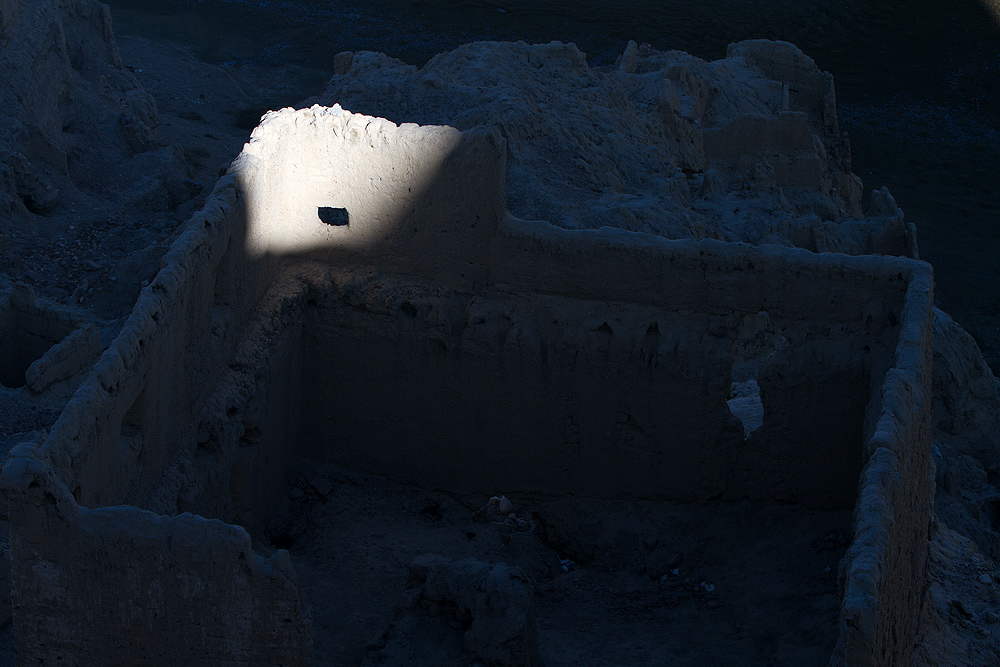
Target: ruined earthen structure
x,y
361,292
355,291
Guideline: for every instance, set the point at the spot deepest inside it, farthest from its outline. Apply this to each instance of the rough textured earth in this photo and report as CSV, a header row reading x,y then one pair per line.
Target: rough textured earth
x,y
113,210
107,146
81,163
664,143
966,400
753,580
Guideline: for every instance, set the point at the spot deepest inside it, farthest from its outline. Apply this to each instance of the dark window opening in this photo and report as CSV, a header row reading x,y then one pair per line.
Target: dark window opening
x,y
336,217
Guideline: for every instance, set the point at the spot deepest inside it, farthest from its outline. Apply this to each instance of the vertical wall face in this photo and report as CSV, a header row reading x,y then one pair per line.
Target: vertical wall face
x,y
554,396
416,200
536,395
249,423
264,451
814,394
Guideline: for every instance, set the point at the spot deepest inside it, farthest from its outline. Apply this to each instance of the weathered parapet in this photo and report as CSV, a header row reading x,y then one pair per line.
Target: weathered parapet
x,y
703,275
132,417
123,586
883,573
429,202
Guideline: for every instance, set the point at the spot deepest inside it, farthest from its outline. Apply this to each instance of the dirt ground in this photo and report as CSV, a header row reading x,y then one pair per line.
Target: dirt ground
x,y
615,582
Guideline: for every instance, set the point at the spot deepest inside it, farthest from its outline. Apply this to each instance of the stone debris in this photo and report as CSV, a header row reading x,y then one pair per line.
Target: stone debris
x,y
502,510
491,604
322,486
662,560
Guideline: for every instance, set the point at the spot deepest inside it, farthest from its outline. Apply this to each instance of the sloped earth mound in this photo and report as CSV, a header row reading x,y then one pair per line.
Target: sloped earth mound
x,y
746,148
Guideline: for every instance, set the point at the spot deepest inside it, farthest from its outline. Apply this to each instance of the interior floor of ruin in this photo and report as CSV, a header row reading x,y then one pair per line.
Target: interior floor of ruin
x,y
615,582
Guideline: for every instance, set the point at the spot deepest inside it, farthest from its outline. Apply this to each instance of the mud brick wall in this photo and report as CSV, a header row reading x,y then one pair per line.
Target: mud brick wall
x,y
96,579
356,291
123,586
883,573
862,325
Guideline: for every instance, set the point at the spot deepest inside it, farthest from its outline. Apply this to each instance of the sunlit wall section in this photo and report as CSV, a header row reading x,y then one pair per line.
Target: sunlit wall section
x,y
341,187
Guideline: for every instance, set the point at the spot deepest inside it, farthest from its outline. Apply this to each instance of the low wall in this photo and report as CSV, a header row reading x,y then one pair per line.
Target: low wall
x,y
356,291
120,585
883,573
130,419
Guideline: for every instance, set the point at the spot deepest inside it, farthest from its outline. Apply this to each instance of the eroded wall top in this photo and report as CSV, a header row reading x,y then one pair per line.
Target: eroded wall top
x,y
746,148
